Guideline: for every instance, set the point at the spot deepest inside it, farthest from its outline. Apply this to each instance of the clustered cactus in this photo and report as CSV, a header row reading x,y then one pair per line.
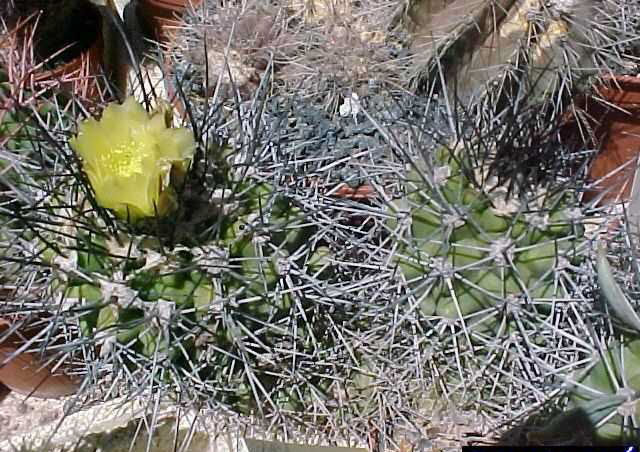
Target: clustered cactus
x,y
218,263
242,289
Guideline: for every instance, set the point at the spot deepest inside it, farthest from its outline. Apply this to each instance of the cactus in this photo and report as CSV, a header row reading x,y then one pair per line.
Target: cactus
x,y
516,263
551,49
613,380
187,287
465,255
259,291
487,273
511,71
319,51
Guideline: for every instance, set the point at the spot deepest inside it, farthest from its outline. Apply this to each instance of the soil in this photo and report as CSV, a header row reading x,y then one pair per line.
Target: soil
x,y
27,423
21,415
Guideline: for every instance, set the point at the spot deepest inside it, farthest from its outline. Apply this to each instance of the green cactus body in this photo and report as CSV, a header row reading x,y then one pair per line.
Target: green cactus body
x,y
615,377
289,228
490,222
128,323
261,272
89,296
467,301
487,256
467,252
320,261
424,224
535,261
91,254
88,292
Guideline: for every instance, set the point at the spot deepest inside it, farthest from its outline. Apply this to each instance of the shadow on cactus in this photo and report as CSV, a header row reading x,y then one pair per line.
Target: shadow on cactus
x,y
606,391
603,400
515,69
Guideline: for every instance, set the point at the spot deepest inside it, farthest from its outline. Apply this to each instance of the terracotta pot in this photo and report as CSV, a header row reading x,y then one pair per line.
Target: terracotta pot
x,y
79,76
361,192
160,16
608,119
26,373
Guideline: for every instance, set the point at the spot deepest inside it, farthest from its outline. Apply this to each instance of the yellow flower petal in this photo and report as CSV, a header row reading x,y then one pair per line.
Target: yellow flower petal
x,y
128,155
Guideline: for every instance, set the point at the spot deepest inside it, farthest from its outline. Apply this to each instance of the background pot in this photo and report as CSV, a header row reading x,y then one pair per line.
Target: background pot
x,y
45,57
362,192
159,16
80,76
26,373
608,119
4,392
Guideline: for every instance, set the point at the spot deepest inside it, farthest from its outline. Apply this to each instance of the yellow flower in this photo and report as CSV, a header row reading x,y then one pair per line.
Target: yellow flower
x,y
129,155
